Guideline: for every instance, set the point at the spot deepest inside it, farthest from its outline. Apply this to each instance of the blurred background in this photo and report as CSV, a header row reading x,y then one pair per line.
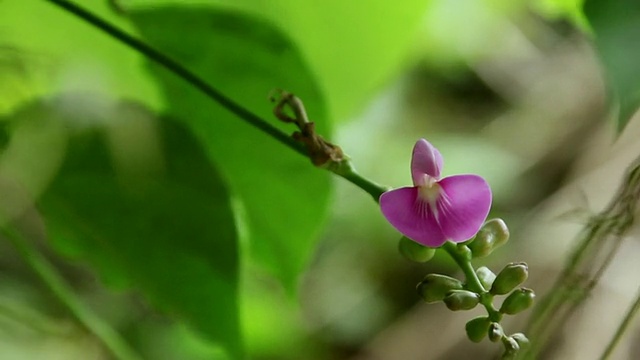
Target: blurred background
x,y
510,90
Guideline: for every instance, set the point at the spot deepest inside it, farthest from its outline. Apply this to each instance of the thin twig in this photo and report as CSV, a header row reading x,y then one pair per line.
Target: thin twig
x,y
586,264
631,313
321,152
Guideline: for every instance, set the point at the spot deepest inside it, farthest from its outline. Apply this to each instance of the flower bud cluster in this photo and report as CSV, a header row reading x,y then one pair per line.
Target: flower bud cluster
x,y
457,295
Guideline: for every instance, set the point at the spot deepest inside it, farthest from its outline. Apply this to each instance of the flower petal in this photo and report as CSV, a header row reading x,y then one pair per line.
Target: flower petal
x,y
426,159
412,216
463,206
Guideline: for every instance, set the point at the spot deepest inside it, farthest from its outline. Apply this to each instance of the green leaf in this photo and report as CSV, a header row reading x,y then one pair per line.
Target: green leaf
x,y
284,196
616,24
139,200
352,47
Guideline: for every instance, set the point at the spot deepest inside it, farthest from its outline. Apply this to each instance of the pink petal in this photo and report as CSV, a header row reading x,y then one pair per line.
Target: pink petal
x,y
411,216
463,206
426,159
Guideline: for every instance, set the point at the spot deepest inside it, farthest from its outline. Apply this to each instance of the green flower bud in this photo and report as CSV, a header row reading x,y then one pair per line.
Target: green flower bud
x,y
511,276
499,230
477,328
493,234
495,332
511,348
461,300
521,339
435,287
519,300
482,245
485,276
414,251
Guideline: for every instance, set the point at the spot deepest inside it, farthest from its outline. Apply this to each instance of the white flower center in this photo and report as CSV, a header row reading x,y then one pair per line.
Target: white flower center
x,y
429,190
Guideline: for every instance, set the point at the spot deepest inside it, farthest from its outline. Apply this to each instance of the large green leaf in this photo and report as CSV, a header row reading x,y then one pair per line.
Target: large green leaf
x,y
352,47
616,24
284,196
140,201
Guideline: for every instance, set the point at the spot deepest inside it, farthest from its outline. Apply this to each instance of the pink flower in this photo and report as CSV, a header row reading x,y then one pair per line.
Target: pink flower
x,y
435,210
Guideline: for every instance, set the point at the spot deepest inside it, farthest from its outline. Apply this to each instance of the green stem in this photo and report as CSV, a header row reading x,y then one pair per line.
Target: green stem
x,y
61,290
346,170
182,72
622,328
461,258
461,255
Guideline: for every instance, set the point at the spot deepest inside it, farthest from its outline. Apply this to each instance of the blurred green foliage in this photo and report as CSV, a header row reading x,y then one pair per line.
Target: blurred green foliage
x,y
562,9
59,53
165,193
160,219
617,33
139,199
